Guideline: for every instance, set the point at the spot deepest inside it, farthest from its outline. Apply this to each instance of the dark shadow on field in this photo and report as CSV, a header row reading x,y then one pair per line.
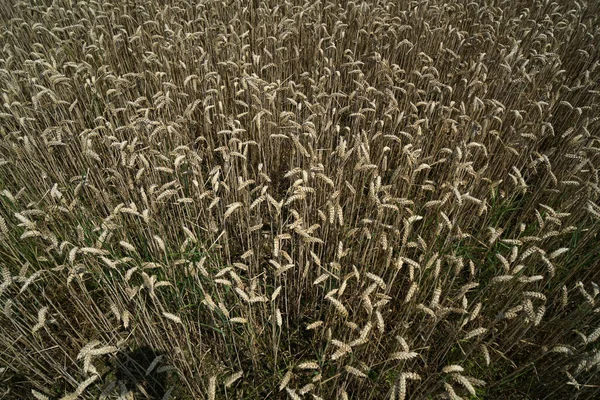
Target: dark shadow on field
x,y
131,367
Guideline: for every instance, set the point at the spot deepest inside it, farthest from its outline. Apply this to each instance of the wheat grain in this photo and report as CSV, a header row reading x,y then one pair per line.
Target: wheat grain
x,y
38,395
355,371
308,365
306,388
475,333
231,379
292,393
380,322
403,355
314,325
41,319
127,246
465,383
451,393
339,307
80,388
172,317
449,369
343,349
212,387
592,337
285,380
411,292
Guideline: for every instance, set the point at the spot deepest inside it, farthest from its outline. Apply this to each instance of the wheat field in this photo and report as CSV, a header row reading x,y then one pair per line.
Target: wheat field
x,y
310,199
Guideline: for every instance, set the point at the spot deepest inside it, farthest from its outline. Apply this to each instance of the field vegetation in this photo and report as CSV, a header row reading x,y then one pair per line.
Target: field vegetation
x,y
320,199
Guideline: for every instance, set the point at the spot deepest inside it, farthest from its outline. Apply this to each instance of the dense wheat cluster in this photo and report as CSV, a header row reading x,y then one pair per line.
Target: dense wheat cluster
x,y
301,199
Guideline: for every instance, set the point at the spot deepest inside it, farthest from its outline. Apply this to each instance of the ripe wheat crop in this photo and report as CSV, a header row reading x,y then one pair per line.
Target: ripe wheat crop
x,y
299,199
